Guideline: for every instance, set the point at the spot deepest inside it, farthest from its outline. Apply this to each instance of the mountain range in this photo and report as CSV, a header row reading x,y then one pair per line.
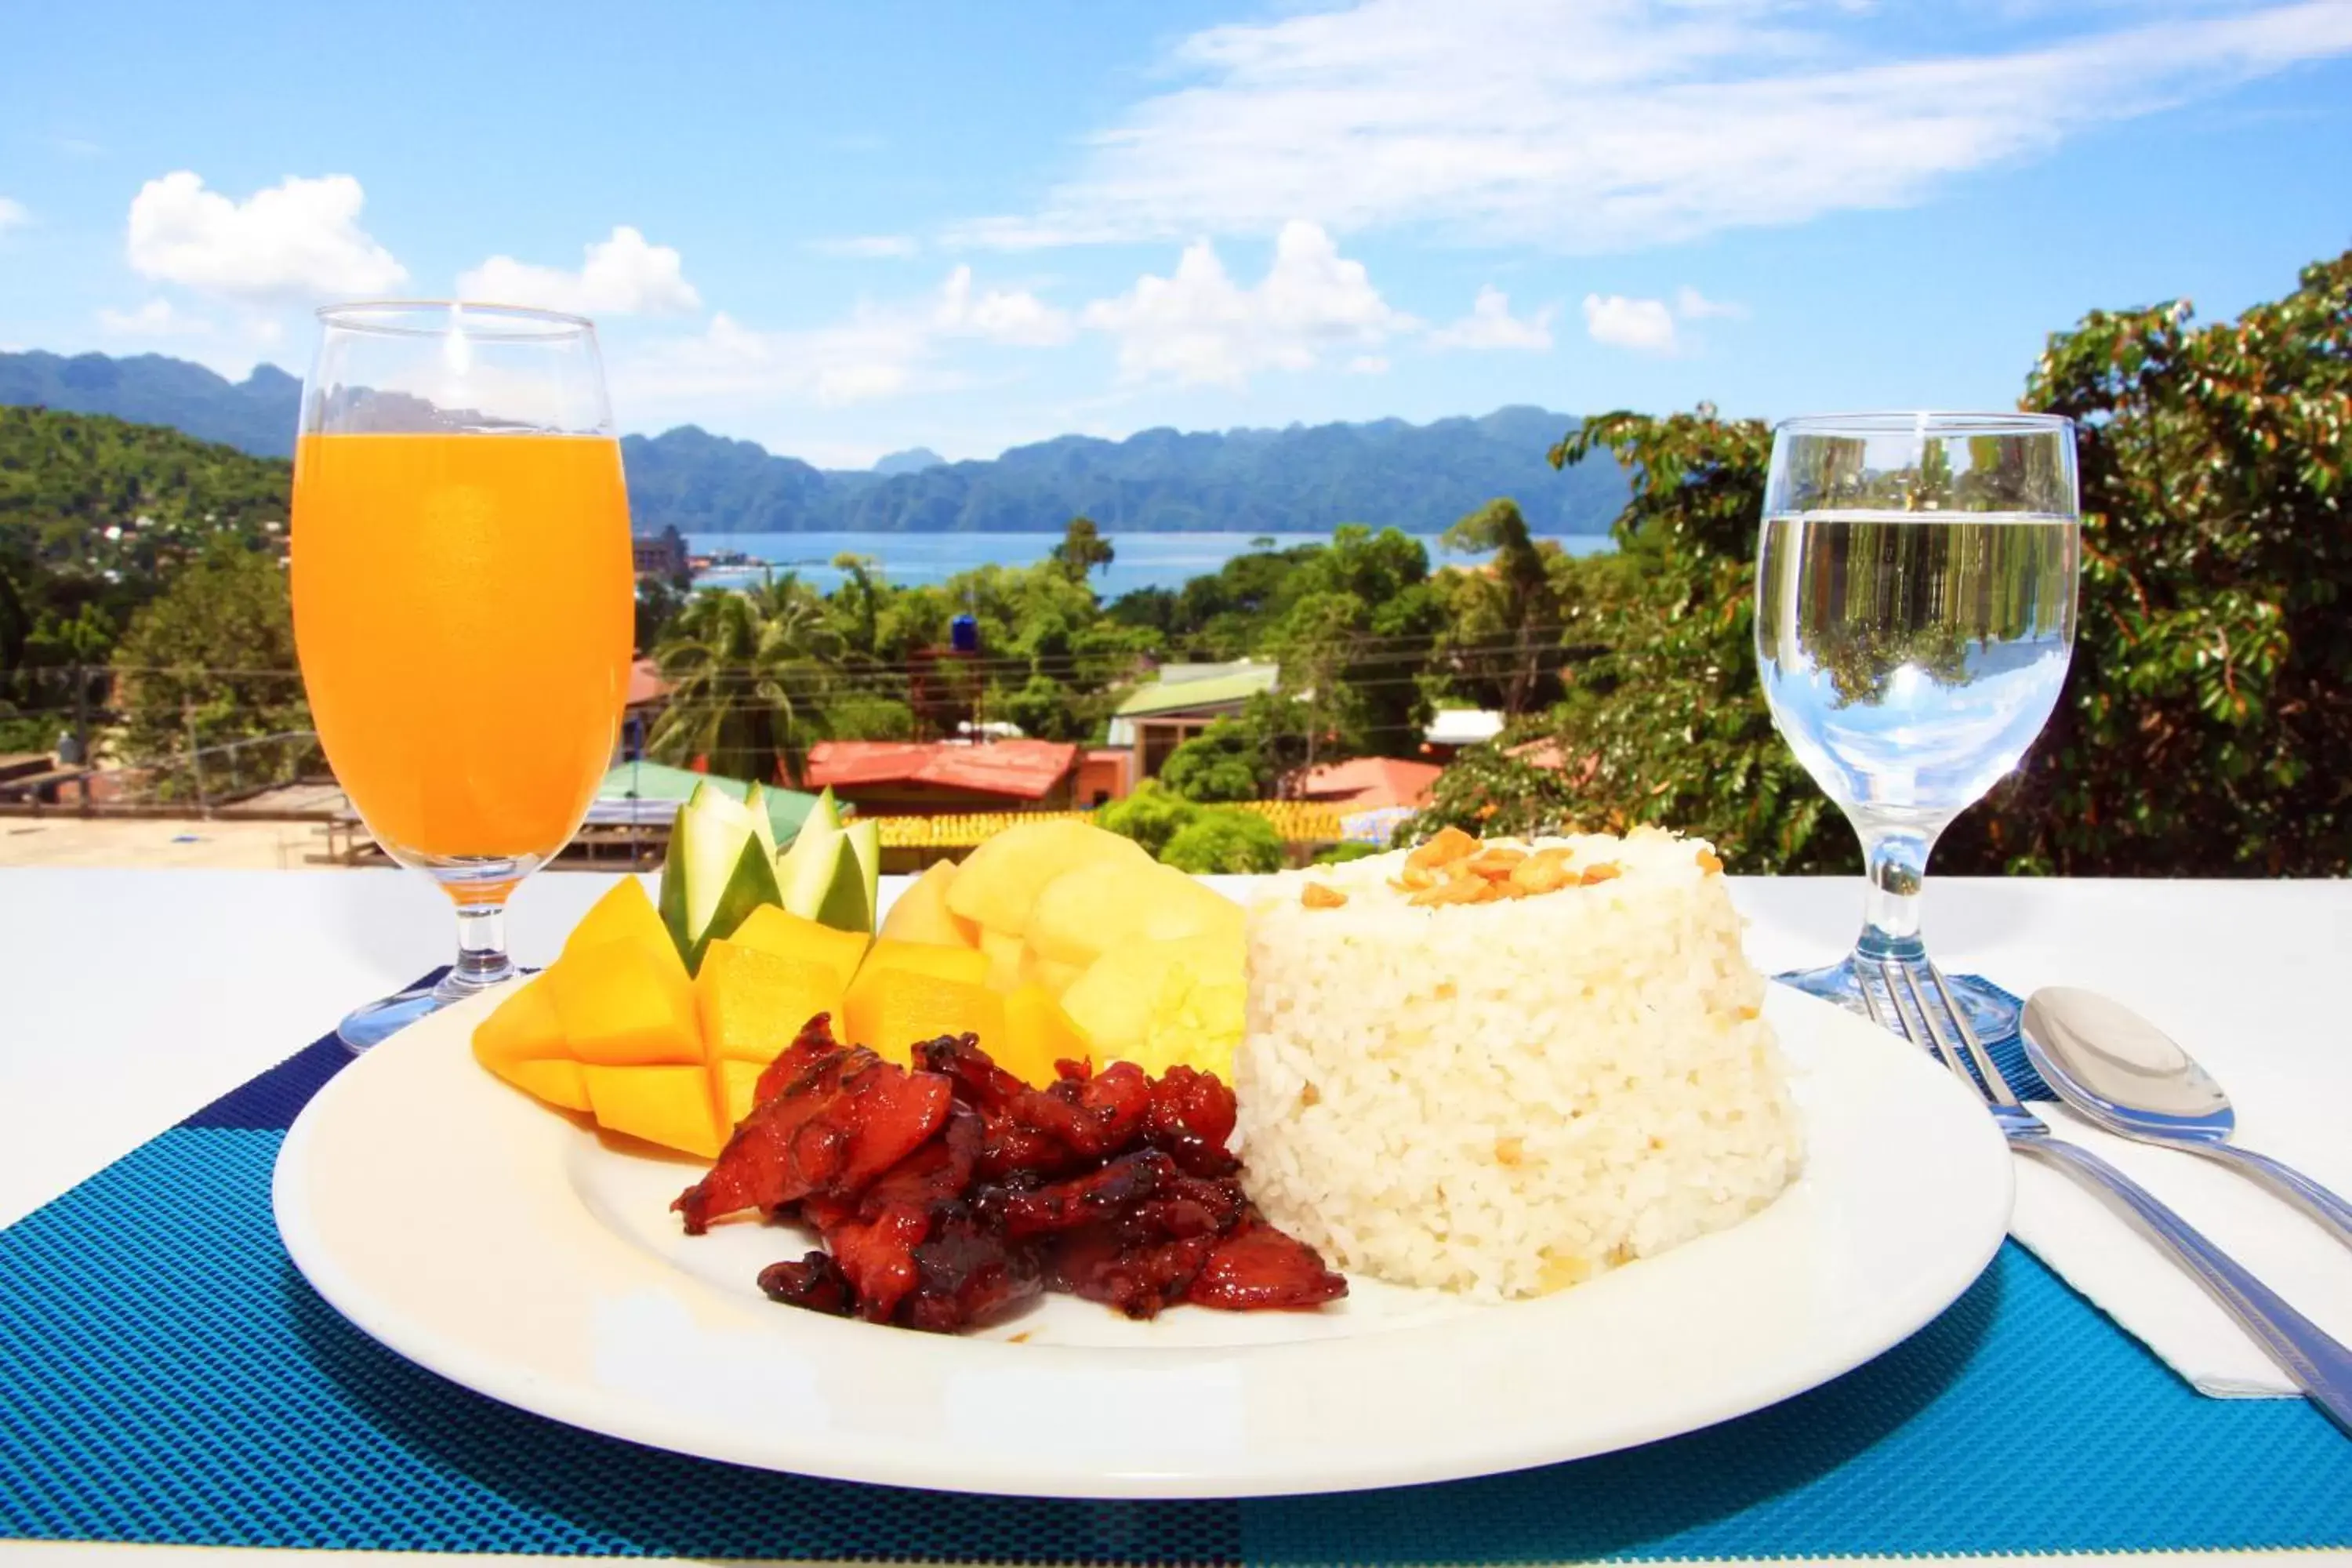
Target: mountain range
x,y
1300,480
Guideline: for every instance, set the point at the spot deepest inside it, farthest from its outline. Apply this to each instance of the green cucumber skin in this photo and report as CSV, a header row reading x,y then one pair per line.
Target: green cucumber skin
x,y
752,883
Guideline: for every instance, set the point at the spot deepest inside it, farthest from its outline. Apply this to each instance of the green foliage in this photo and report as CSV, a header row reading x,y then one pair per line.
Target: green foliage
x,y
748,675
1500,646
1341,854
659,603
208,661
1152,815
2206,728
853,715
1222,763
1083,548
1228,842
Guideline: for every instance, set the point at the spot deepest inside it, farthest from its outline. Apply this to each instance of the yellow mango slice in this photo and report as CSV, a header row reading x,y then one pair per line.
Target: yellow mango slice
x,y
557,1082
525,1027
1161,1002
921,912
1086,911
730,1086
750,1002
1037,1033
623,915
670,1105
889,1010
778,930
625,1003
1054,977
964,965
998,883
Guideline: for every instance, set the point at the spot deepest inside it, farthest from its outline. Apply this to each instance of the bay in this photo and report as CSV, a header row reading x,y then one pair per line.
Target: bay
x,y
1138,560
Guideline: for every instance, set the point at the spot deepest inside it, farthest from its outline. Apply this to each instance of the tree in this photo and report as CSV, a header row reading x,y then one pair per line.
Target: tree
x,y
209,661
1226,842
1083,548
1504,618
1151,816
659,603
748,674
1221,763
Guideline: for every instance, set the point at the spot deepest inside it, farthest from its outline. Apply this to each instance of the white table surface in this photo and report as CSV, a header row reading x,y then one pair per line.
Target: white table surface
x,y
128,998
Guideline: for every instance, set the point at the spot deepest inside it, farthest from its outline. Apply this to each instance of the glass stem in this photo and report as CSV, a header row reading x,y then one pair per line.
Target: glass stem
x,y
1897,871
482,959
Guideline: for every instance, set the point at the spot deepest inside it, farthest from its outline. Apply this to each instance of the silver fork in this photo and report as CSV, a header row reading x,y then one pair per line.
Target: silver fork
x,y
2318,1363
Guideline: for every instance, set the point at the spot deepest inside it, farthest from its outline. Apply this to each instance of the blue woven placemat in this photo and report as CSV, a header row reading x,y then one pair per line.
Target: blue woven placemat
x,y
166,1375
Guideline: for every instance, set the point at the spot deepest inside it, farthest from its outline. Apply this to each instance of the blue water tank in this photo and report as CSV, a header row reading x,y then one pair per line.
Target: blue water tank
x,y
963,634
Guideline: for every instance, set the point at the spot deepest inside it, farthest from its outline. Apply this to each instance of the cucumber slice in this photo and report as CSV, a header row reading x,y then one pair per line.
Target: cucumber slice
x,y
717,872
866,843
826,883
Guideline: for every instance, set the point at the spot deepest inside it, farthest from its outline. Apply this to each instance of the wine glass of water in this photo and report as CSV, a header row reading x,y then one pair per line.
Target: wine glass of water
x,y
1915,616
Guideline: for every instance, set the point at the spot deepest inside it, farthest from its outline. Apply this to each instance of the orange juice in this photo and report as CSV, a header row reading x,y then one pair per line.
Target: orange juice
x,y
463,607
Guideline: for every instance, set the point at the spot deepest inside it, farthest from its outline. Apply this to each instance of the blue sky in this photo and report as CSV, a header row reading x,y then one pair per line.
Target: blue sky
x,y
843,230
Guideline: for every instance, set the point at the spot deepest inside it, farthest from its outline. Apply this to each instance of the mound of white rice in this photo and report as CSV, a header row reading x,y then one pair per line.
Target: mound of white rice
x,y
1504,1099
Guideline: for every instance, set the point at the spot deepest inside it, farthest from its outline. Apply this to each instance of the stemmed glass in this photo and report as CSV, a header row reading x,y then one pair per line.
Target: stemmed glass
x,y
463,584
1914,617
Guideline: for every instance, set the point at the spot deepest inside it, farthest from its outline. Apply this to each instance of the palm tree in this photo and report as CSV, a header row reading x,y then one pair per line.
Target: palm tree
x,y
748,674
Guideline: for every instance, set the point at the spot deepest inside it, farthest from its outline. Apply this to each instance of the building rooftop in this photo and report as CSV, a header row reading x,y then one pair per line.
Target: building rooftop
x,y
1023,770
1367,783
1229,687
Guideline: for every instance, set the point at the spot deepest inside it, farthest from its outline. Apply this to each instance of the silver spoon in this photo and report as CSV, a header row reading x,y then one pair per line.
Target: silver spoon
x,y
2130,1077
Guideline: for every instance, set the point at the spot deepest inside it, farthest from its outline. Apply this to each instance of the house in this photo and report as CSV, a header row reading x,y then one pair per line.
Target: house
x,y
642,702
1366,784
1105,774
902,778
660,554
1451,729
1184,699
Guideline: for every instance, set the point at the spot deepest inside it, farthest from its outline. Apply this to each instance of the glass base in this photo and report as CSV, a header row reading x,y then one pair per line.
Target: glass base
x,y
386,1017
1991,1014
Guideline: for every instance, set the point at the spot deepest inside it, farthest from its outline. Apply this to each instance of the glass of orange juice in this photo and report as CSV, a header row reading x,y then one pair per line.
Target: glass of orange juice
x,y
463,598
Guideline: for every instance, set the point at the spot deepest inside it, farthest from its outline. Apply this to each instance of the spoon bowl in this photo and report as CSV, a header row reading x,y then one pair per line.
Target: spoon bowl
x,y
2122,1073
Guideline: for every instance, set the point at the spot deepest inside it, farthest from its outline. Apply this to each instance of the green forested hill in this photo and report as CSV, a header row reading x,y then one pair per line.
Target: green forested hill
x,y
1301,479
70,475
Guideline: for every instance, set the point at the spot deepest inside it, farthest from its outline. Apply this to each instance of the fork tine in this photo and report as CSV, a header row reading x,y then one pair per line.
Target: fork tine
x,y
1892,972
1995,1084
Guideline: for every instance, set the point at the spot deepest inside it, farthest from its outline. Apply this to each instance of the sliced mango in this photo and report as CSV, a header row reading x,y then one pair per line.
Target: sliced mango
x,y
1037,1033
890,1010
1086,911
525,1027
625,1003
730,1086
750,1002
623,913
777,931
921,912
998,882
557,1082
671,1106
966,966
1157,1004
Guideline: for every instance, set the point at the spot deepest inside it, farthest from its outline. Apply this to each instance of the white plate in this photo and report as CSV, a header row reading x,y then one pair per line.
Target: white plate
x,y
504,1247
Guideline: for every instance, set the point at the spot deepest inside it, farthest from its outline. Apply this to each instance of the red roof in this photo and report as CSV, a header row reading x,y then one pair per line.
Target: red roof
x,y
1026,770
1367,783
645,684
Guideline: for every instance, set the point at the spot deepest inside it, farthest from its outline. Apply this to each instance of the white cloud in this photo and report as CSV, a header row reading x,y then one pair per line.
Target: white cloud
x,y
298,240
1368,364
1001,315
158,318
879,351
12,215
1198,325
1491,325
867,246
1693,306
622,276
1596,125
1646,326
